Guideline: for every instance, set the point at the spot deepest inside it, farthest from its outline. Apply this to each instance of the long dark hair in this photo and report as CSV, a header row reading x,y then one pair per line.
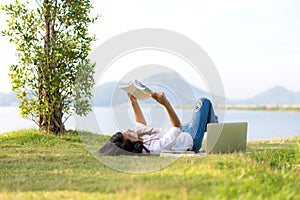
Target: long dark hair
x,y
119,146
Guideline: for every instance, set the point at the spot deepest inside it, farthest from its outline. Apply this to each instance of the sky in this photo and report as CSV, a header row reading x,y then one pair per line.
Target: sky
x,y
254,44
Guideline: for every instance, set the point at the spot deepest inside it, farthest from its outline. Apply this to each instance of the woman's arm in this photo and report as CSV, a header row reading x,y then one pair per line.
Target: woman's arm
x,y
138,114
161,98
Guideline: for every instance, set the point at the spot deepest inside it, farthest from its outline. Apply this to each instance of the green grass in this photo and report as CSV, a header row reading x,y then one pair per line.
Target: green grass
x,y
39,166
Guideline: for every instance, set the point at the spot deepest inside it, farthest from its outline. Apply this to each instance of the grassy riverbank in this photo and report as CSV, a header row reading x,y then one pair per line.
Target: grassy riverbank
x,y
37,166
295,108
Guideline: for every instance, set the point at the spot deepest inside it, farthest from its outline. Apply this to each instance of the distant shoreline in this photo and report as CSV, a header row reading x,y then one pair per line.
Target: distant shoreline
x,y
278,108
281,108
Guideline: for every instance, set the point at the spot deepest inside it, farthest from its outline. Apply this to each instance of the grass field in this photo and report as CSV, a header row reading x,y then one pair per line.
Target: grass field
x,y
39,166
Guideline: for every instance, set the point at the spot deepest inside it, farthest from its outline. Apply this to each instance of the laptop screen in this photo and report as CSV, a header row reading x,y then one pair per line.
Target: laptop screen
x,y
226,137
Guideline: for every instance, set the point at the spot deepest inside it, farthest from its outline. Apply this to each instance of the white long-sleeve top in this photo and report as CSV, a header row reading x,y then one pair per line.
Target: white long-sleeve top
x,y
157,140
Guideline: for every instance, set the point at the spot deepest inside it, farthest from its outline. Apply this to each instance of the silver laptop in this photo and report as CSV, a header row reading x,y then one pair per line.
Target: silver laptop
x,y
226,137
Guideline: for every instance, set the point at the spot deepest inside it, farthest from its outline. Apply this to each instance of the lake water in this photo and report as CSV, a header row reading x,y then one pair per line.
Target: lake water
x,y
261,124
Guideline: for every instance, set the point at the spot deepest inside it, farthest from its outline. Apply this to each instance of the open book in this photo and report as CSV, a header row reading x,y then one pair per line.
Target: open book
x,y
137,89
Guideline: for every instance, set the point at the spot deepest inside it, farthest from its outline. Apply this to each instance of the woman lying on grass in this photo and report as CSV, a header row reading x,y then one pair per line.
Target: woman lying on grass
x,y
147,139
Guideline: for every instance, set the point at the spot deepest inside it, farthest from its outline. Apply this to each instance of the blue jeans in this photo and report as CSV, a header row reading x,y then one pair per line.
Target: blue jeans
x,y
202,115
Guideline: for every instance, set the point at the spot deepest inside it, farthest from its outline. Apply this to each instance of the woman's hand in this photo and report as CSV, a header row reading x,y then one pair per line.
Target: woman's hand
x,y
131,98
160,97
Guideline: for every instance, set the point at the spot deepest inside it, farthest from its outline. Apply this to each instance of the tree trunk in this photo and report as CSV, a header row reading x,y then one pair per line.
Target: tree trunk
x,y
51,113
57,121
43,77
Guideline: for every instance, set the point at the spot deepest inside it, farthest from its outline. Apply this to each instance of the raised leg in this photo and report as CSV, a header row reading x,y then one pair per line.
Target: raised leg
x,y
202,115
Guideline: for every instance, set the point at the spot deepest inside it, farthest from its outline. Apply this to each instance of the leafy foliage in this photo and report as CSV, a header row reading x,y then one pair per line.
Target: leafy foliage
x,y
53,76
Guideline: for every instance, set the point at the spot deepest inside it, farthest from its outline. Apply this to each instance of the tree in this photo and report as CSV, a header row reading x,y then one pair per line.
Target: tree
x,y
53,76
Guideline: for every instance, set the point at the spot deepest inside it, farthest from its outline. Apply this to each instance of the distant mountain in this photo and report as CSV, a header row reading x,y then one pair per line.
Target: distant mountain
x,y
178,92
8,99
274,96
175,87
